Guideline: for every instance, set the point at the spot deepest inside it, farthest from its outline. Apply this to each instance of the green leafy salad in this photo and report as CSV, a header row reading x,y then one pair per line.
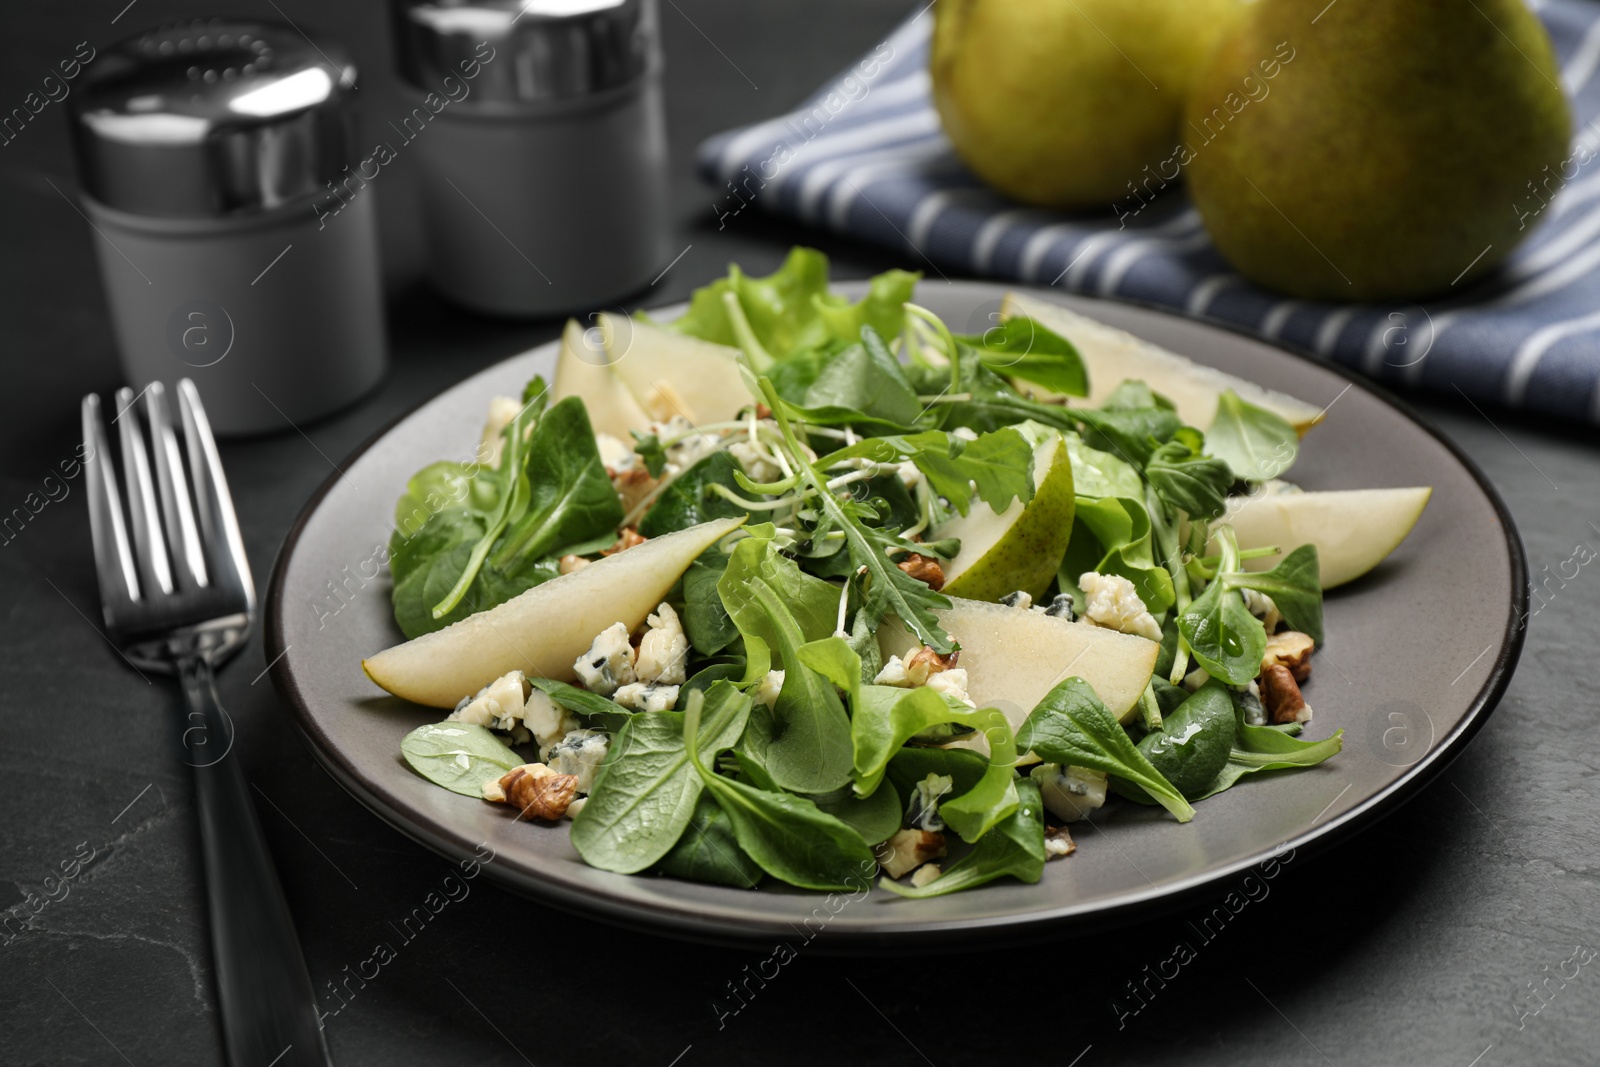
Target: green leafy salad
x,y
797,584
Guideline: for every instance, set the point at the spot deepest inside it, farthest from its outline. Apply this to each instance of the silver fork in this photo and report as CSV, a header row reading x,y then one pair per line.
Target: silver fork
x,y
179,600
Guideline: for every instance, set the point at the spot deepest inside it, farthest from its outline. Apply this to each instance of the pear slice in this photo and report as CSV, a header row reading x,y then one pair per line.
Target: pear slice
x,y
1111,356
581,372
673,374
1354,529
1020,547
545,629
1014,656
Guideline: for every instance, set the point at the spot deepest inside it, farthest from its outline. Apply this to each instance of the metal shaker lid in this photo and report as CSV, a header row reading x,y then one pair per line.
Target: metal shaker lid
x,y
214,117
513,52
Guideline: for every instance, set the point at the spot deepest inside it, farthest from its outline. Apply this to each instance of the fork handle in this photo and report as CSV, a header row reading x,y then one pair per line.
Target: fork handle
x,y
269,1013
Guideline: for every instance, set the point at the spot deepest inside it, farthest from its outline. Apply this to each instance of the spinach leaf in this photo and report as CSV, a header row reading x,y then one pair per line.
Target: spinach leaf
x,y
771,599
1222,635
999,463
569,495
1133,394
861,385
875,818
1122,528
1192,746
1256,444
1022,348
1071,726
1100,474
705,621
591,706
789,837
909,766
458,756
1132,435
688,499
1262,748
415,596
974,813
1295,585
645,792
1015,848
708,851
1187,479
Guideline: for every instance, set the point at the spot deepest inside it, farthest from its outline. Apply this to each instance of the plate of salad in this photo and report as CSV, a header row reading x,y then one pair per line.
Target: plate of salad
x,y
909,612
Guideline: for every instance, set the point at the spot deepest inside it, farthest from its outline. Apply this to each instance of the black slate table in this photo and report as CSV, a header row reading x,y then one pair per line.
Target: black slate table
x,y
1460,931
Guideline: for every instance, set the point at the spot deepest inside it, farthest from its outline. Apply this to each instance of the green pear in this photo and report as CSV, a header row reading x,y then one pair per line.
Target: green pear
x,y
1069,103
1395,150
1020,547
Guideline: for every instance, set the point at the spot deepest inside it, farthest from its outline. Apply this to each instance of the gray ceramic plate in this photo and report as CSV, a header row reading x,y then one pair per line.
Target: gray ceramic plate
x,y
1418,652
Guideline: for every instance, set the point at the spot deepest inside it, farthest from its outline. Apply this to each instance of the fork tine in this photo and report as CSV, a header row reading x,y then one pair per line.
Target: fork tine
x,y
113,559
188,561
218,525
149,546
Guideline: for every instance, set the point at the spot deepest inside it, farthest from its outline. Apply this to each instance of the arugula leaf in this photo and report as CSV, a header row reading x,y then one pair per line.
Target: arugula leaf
x,y
648,448
1016,848
1256,444
709,851
1022,348
645,791
1072,727
768,597
789,837
1132,434
890,590
999,462
1295,585
1187,479
569,495
458,756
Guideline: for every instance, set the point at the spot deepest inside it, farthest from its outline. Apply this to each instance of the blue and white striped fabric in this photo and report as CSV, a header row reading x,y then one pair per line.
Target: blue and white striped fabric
x,y
865,157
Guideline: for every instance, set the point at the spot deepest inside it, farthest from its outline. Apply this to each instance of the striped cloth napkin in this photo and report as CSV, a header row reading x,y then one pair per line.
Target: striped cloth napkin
x,y
865,157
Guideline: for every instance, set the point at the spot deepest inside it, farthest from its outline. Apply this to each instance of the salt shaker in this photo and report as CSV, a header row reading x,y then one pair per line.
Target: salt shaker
x,y
236,246
539,137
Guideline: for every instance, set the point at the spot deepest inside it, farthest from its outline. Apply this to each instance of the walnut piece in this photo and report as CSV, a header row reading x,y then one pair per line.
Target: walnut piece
x,y
1290,649
1058,842
1281,696
539,796
570,563
630,537
907,850
935,662
924,569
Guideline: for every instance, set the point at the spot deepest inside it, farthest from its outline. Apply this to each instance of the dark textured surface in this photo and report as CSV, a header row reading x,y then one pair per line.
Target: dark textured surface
x,y
1420,942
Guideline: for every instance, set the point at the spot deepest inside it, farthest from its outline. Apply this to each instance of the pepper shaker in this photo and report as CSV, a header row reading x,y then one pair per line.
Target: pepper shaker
x,y
538,130
209,152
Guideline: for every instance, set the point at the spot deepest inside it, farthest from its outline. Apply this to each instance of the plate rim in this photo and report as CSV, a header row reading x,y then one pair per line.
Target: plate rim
x,y
693,924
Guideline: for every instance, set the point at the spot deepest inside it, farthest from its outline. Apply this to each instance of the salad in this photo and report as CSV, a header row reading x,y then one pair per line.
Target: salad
x,y
798,587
